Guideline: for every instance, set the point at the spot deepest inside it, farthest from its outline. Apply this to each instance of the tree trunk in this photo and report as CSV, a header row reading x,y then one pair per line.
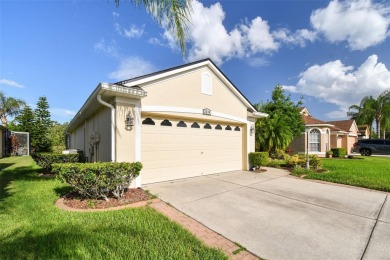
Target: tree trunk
x,y
378,129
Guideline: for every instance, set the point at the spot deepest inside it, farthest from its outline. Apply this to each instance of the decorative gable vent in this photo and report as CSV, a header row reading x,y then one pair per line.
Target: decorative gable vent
x,y
206,84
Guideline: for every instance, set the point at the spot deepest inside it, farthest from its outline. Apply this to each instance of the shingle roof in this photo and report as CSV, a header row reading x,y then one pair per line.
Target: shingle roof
x,y
344,125
362,127
309,120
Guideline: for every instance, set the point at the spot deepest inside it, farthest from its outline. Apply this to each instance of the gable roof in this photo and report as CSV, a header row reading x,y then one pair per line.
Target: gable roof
x,y
145,79
304,111
362,129
308,120
133,88
311,121
344,125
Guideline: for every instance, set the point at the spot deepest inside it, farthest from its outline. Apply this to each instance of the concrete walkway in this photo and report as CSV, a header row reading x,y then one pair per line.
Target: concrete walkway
x,y
276,216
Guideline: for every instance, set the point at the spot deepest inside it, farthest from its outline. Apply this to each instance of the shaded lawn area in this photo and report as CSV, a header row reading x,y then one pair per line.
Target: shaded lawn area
x,y
367,172
31,227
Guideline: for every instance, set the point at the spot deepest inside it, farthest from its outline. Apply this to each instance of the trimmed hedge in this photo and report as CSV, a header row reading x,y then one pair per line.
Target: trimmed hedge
x,y
46,160
258,159
98,180
339,152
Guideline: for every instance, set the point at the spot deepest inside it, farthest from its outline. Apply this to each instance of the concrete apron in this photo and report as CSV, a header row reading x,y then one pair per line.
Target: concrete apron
x,y
276,216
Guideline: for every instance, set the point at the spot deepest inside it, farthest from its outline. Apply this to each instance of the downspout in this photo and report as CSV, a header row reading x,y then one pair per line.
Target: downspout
x,y
99,98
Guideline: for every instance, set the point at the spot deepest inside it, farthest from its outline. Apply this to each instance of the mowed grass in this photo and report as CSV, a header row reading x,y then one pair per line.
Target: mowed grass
x,y
368,172
31,227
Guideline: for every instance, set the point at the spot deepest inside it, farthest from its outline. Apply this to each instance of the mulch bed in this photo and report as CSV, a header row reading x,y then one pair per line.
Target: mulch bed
x,y
73,200
259,170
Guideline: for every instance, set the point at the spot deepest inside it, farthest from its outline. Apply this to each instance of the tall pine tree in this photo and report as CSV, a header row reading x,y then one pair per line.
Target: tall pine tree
x,y
25,121
41,141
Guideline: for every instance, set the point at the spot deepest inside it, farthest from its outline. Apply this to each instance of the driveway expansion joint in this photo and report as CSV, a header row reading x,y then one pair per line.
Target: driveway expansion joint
x,y
373,228
309,203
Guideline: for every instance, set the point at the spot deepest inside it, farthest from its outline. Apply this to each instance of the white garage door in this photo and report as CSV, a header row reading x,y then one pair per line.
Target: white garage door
x,y
174,149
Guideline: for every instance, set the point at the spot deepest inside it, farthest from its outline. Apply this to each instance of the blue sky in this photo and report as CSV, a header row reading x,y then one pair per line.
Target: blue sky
x,y
332,53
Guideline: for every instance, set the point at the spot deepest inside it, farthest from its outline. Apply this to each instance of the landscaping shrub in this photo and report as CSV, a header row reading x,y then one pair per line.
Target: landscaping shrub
x,y
299,171
339,152
294,160
98,180
278,154
315,162
46,160
276,163
300,160
258,159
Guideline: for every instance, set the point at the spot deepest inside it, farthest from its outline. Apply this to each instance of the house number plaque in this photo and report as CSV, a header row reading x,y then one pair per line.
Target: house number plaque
x,y
207,111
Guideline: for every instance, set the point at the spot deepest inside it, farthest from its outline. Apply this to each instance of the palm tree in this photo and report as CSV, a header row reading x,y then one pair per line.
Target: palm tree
x,y
371,109
9,106
174,14
273,133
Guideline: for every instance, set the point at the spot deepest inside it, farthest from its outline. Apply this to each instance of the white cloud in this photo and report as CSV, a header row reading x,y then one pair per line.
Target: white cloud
x,y
208,37
343,85
258,62
361,23
257,34
61,112
131,67
337,114
107,48
115,14
300,37
133,32
11,83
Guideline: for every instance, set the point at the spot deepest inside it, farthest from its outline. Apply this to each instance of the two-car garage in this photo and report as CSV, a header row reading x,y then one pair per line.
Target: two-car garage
x,y
180,148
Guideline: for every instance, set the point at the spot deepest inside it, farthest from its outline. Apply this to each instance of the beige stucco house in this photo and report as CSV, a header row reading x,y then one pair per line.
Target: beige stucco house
x,y
320,136
364,132
181,122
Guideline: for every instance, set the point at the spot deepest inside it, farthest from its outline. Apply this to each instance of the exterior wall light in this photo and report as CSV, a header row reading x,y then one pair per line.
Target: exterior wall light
x,y
129,122
252,130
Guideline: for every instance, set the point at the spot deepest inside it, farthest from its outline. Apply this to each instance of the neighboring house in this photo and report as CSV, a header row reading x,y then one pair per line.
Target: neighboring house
x,y
181,122
364,132
320,136
346,137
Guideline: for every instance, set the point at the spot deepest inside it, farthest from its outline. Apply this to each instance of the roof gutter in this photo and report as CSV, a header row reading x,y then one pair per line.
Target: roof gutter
x,y
113,144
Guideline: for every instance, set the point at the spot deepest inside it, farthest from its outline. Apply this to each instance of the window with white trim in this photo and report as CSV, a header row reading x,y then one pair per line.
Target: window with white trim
x,y
315,140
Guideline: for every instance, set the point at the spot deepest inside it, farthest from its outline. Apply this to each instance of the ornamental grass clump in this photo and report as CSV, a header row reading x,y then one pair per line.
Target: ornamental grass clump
x,y
98,180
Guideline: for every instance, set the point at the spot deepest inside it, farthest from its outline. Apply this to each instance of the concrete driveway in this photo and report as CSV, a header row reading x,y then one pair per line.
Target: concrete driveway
x,y
276,216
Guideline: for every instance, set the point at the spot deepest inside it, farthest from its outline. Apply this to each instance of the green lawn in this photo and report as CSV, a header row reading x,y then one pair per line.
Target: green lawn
x,y
367,172
31,227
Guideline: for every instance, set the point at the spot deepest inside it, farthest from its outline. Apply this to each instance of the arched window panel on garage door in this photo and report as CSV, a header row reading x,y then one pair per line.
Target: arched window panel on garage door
x,y
148,121
237,128
166,122
218,127
228,128
195,125
207,126
181,124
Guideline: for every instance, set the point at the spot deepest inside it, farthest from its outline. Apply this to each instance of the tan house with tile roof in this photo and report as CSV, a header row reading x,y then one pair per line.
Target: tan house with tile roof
x,y
320,136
